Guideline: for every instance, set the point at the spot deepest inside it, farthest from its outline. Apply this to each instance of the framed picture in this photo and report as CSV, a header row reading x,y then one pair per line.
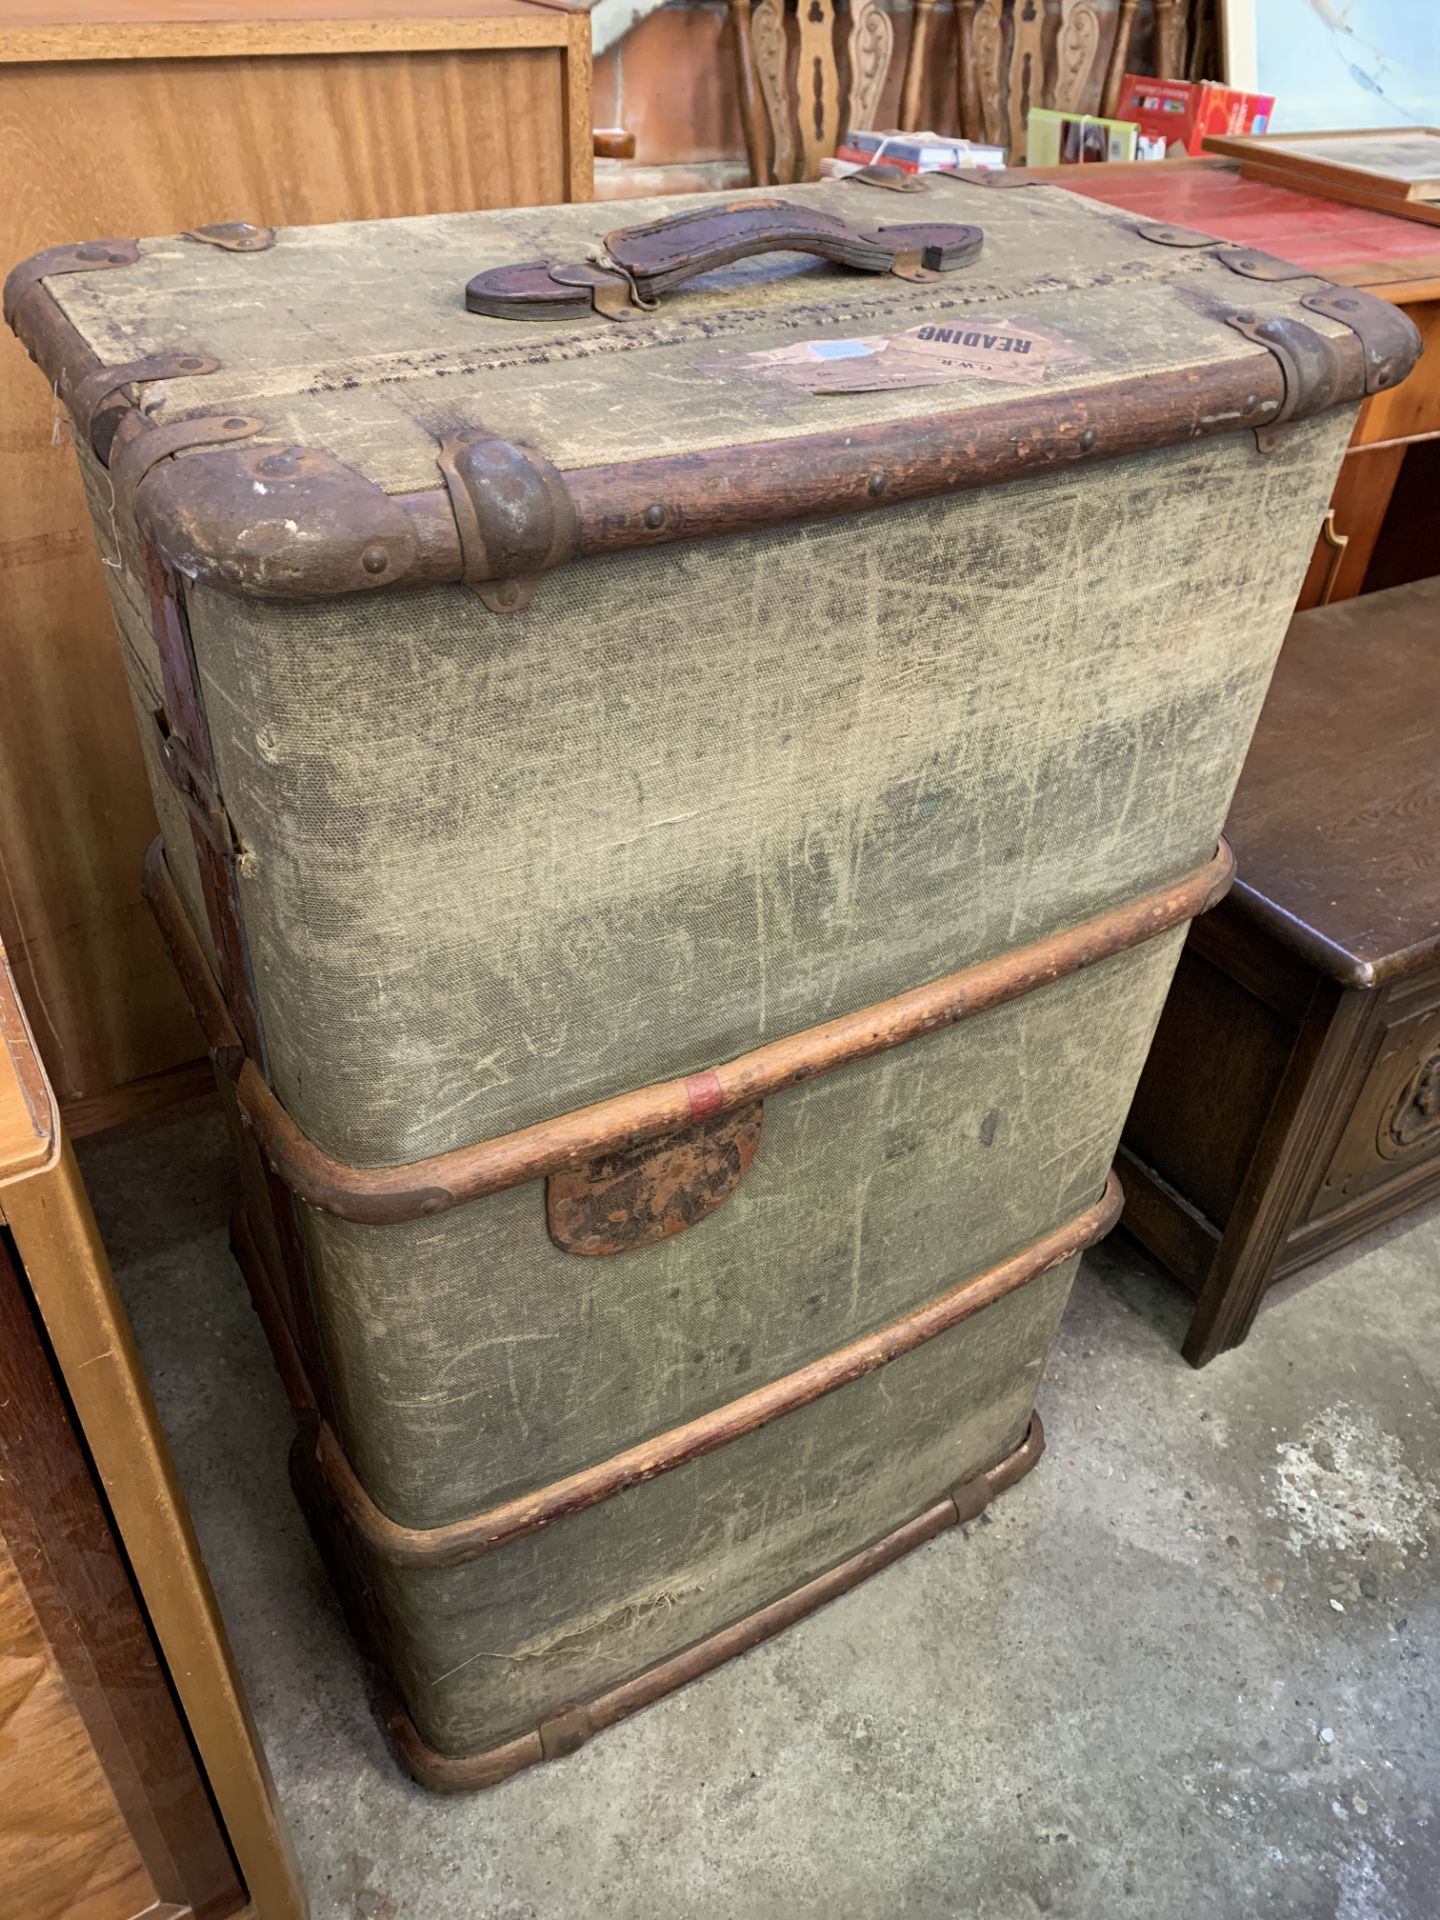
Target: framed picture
x,y
1389,169
1368,63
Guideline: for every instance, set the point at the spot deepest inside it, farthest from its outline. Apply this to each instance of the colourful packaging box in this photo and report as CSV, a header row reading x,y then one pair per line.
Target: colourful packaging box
x,y
1181,112
1054,139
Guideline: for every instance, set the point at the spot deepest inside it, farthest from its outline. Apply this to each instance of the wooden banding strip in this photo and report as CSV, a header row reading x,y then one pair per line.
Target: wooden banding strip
x,y
379,1196
762,484
622,505
458,1541
565,1731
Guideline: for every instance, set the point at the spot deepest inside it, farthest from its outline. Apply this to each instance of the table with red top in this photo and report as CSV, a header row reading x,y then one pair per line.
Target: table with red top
x,y
1395,258
1399,259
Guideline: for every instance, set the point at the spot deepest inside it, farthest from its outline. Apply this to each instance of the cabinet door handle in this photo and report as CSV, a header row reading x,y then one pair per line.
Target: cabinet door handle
x,y
1337,543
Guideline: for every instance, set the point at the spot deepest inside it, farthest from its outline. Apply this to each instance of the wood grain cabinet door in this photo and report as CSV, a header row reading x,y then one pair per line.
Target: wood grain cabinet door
x,y
103,1812
150,117
1393,1132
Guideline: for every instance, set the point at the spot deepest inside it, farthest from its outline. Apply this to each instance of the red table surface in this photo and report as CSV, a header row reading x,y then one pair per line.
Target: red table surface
x,y
1344,243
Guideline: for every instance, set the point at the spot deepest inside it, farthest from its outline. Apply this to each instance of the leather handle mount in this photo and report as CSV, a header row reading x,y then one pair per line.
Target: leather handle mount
x,y
637,264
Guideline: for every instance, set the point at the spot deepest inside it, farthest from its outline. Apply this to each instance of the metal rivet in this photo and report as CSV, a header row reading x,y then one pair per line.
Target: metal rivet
x,y
1348,306
1087,439
191,361
876,485
507,593
375,559
274,462
235,424
655,516
1252,401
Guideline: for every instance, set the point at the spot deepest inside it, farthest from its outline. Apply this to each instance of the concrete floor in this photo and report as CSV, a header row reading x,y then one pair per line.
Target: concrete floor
x,y
1188,1667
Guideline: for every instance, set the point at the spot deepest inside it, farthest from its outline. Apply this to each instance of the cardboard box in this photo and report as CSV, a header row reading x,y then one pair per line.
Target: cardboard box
x,y
1180,113
1055,139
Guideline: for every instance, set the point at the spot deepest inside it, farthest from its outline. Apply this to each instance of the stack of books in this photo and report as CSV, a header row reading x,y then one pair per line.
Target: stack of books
x,y
911,152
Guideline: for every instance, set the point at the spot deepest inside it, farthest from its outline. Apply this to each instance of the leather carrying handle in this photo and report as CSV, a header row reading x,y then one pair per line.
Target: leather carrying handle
x,y
638,264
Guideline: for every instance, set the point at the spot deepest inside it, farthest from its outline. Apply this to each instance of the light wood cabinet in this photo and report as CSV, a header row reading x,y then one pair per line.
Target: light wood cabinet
x,y
131,1780
136,117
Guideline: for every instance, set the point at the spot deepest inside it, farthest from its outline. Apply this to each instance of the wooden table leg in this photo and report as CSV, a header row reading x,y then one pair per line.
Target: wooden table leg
x,y
1272,1196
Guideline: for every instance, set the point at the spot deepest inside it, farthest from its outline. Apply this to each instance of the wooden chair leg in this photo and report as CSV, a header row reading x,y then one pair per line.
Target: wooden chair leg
x,y
913,91
1119,58
967,80
752,109
1169,38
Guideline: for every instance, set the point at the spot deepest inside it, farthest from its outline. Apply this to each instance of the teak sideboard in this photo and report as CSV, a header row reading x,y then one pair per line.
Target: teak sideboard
x,y
136,117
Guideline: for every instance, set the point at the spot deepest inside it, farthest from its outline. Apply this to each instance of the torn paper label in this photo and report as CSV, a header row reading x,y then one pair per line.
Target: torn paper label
x,y
1008,350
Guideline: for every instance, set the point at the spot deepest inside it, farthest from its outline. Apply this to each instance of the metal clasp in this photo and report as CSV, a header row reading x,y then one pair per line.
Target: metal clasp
x,y
612,287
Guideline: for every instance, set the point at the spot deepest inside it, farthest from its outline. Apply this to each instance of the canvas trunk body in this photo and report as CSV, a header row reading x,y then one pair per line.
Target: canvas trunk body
x,y
678,828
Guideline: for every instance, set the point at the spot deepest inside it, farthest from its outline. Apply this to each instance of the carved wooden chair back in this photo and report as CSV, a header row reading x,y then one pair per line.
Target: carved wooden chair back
x,y
808,71
1033,53
1012,55
1052,48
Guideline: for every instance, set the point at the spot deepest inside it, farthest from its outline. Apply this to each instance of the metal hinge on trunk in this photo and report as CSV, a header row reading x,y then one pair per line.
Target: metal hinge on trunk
x,y
98,402
93,257
1318,368
1309,365
1387,334
235,236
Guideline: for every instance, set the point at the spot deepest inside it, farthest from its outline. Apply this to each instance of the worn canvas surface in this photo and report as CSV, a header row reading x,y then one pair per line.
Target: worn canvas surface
x,y
473,1360
356,338
702,796
484,1651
